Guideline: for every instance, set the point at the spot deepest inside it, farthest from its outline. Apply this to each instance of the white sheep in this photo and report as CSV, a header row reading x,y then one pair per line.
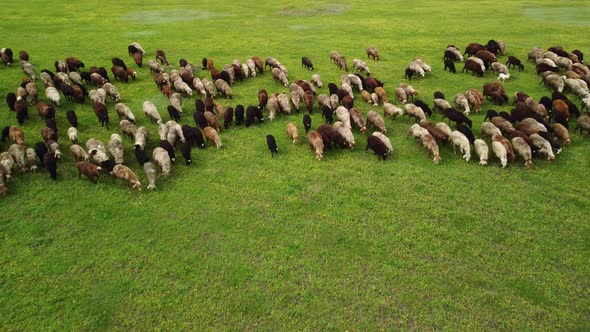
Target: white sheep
x,y
162,158
414,111
75,77
210,88
375,99
555,82
223,88
543,145
343,115
500,152
174,132
460,140
141,137
345,132
316,80
273,106
123,111
98,95
392,110
181,86
112,91
53,95
488,129
481,148
28,69
361,66
46,78
503,77
284,105
32,159
479,61
199,87
8,163
280,76
138,47
17,152
417,131
54,148
334,102
385,141
251,67
63,78
344,79
78,153
346,87
500,68
150,110
462,102
441,104
445,129
73,134
524,150
324,100
116,148
150,172
456,52
356,81
416,68
423,64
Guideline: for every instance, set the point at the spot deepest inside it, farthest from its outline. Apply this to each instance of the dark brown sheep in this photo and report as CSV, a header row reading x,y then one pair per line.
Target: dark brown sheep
x,y
120,73
473,67
472,48
91,171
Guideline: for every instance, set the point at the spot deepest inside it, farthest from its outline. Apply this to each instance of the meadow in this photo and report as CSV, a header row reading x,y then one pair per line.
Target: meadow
x,y
243,241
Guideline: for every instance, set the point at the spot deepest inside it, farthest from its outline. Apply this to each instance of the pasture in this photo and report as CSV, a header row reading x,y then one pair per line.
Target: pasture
x,y
243,241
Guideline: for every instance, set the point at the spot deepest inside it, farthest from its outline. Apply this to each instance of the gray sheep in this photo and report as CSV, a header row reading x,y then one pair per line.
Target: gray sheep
x,y
150,110
150,172
124,112
116,148
223,88
162,158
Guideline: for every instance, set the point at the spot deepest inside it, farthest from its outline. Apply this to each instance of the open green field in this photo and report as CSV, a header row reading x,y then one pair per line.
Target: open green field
x,y
240,241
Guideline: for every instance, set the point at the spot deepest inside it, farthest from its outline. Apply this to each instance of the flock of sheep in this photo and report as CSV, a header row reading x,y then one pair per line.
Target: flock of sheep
x,y
531,128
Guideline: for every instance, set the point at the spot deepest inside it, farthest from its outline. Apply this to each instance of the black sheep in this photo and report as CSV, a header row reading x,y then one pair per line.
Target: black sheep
x,y
9,53
467,132
341,93
505,116
456,116
253,112
119,62
103,72
449,64
173,112
22,113
379,148
200,119
306,122
272,145
199,105
306,62
409,73
185,149
331,135
327,114
423,106
50,123
140,155
40,150
543,67
107,166
228,116
439,95
579,54
239,115
332,88
10,100
490,114
450,55
72,118
164,144
514,62
204,63
547,102
225,77
50,164
561,119
552,139
100,110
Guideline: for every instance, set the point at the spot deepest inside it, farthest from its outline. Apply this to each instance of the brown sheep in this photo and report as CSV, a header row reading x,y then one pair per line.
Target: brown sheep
x,y
372,52
366,95
91,171
507,145
377,121
560,131
559,106
316,143
211,135
436,132
292,132
16,135
524,150
381,94
212,120
472,48
504,125
357,118
487,57
48,134
429,143
126,174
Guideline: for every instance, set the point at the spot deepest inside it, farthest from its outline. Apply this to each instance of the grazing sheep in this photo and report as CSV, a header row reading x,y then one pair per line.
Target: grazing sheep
x,y
141,137
316,143
272,145
306,62
474,67
343,115
445,129
391,110
174,133
78,153
481,148
182,87
361,66
307,123
583,124
48,134
500,152
415,69
429,143
561,131
126,174
357,118
100,110
345,132
376,121
401,95
151,112
462,102
91,171
523,149
507,145
162,159
488,129
453,53
223,88
17,152
460,140
212,136
437,133
441,104
116,148
543,146
279,76
292,132
415,112
53,95
127,128
150,173
316,80
16,135
112,91
50,163
284,105
28,69
210,88
385,141
31,159
372,52
417,131
379,148
450,65
73,134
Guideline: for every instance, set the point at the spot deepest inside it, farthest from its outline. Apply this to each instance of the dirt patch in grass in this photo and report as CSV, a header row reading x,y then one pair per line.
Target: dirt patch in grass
x,y
309,9
168,16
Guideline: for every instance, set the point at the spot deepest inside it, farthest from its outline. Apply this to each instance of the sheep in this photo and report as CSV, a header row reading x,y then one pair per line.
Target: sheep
x,y
50,163
401,95
343,115
391,110
32,92
514,62
423,106
437,133
416,68
489,129
474,67
78,153
279,76
175,133
452,53
17,152
561,131
523,149
31,159
316,143
127,128
150,172
53,95
378,146
28,69
356,81
40,149
210,88
361,66
151,112
115,148
345,132
462,102
292,132
377,121
357,118
458,139
91,171
316,80
7,162
509,150
273,107
564,62
306,122
100,110
536,125
199,86
126,174
73,134
450,65
481,148
381,94
583,124
414,111
16,135
504,125
503,77
284,105
182,87
162,159
385,141
112,92
445,129
212,136
543,146
441,104
417,131
500,153
429,143
141,137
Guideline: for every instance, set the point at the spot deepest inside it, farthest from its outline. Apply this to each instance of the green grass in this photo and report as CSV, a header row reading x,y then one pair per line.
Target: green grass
x,y
240,241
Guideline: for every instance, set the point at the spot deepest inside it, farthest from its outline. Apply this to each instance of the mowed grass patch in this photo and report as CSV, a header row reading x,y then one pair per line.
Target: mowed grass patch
x,y
243,241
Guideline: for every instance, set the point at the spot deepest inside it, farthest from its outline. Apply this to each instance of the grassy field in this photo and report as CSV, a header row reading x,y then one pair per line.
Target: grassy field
x,y
240,241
